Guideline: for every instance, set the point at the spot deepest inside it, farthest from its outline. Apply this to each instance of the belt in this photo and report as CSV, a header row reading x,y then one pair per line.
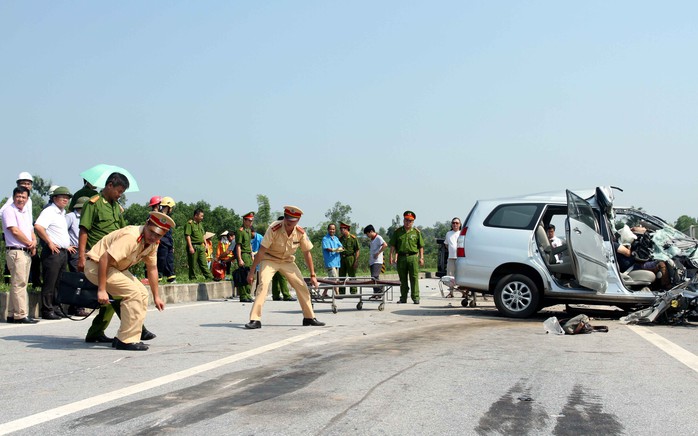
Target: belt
x,y
18,248
407,254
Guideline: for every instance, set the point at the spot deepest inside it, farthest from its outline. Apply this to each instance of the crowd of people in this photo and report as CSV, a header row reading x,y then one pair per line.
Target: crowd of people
x,y
86,232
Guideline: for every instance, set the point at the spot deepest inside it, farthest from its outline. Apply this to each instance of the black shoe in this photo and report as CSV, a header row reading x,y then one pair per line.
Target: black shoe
x,y
25,320
246,300
135,346
276,298
402,301
312,322
101,338
82,312
147,335
50,315
254,324
416,301
290,299
10,319
61,314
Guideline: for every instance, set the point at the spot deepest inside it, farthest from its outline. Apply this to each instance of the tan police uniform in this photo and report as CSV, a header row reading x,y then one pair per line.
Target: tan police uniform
x,y
280,256
127,247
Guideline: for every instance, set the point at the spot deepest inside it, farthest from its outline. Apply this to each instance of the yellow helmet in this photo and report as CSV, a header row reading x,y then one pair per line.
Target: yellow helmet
x,y
167,201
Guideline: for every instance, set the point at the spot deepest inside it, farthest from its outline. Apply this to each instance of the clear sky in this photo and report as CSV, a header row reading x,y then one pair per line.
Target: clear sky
x,y
381,105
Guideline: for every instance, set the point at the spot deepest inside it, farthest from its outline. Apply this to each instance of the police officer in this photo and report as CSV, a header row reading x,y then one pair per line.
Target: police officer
x,y
243,253
107,265
406,244
350,255
196,249
166,266
277,253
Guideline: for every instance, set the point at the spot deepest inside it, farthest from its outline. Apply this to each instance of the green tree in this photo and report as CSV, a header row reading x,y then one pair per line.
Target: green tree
x,y
684,223
136,214
263,217
339,212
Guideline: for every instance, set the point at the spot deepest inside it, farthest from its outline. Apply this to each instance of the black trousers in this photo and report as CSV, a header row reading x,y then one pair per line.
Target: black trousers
x,y
52,266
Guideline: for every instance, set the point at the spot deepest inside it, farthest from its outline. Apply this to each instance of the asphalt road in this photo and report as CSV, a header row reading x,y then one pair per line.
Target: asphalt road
x,y
433,368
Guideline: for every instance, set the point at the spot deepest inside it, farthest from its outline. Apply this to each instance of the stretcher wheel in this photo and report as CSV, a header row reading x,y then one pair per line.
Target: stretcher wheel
x,y
359,305
381,307
334,308
473,303
464,302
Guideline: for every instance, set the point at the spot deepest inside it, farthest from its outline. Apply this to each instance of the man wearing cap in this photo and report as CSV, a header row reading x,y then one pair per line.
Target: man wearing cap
x,y
88,190
101,215
350,255
407,249
107,266
20,246
166,267
243,254
52,228
277,253
196,249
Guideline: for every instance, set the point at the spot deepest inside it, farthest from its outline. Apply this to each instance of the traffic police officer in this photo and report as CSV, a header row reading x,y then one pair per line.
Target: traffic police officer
x,y
277,253
350,255
196,249
107,265
243,252
406,244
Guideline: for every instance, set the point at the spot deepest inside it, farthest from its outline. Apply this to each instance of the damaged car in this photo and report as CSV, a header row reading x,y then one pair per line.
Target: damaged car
x,y
505,249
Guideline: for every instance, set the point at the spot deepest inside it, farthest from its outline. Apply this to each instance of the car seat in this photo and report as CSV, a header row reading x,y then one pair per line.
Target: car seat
x,y
548,253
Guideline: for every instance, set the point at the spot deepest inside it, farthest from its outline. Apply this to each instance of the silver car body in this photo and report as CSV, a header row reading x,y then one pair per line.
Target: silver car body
x,y
500,254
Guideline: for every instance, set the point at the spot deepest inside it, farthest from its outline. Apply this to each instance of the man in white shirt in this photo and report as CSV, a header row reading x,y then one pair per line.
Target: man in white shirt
x,y
375,255
554,241
52,228
450,241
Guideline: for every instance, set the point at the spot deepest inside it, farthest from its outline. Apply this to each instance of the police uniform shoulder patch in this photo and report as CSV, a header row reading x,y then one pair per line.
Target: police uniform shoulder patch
x,y
190,222
276,227
122,208
353,236
300,229
94,199
241,228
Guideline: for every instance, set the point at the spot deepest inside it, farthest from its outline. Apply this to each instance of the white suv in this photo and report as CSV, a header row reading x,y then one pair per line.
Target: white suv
x,y
503,249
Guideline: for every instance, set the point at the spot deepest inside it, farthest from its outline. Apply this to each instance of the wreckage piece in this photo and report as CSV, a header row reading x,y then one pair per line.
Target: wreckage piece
x,y
672,307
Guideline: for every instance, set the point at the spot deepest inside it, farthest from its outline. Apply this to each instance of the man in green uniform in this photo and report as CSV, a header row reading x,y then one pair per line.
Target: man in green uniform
x,y
196,249
405,245
350,255
101,215
279,288
87,190
243,253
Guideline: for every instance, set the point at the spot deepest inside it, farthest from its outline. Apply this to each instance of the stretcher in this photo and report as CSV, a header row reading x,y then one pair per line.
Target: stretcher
x,y
325,292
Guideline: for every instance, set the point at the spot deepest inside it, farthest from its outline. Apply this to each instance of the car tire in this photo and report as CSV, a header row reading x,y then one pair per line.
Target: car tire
x,y
516,296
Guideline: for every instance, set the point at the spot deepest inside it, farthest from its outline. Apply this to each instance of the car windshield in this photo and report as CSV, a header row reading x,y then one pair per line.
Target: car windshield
x,y
668,242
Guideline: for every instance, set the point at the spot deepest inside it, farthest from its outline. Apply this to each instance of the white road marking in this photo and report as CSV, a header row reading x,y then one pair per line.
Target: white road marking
x,y
58,412
681,354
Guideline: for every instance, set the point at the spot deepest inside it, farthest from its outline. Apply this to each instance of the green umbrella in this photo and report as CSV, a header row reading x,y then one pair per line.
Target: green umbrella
x,y
98,174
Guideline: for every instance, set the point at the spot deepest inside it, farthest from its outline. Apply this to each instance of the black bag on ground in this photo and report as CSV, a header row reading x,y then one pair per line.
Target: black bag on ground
x,y
75,290
240,276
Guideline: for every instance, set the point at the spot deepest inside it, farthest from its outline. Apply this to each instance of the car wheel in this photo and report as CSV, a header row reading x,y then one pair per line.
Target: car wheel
x,y
516,296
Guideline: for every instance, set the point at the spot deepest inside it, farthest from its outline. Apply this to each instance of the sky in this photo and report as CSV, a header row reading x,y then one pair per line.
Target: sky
x,y
383,106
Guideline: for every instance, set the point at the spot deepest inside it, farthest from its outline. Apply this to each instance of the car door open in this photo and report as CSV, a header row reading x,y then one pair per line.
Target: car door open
x,y
585,244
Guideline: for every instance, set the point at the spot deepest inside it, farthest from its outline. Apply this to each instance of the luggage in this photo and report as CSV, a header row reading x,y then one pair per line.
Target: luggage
x,y
74,289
